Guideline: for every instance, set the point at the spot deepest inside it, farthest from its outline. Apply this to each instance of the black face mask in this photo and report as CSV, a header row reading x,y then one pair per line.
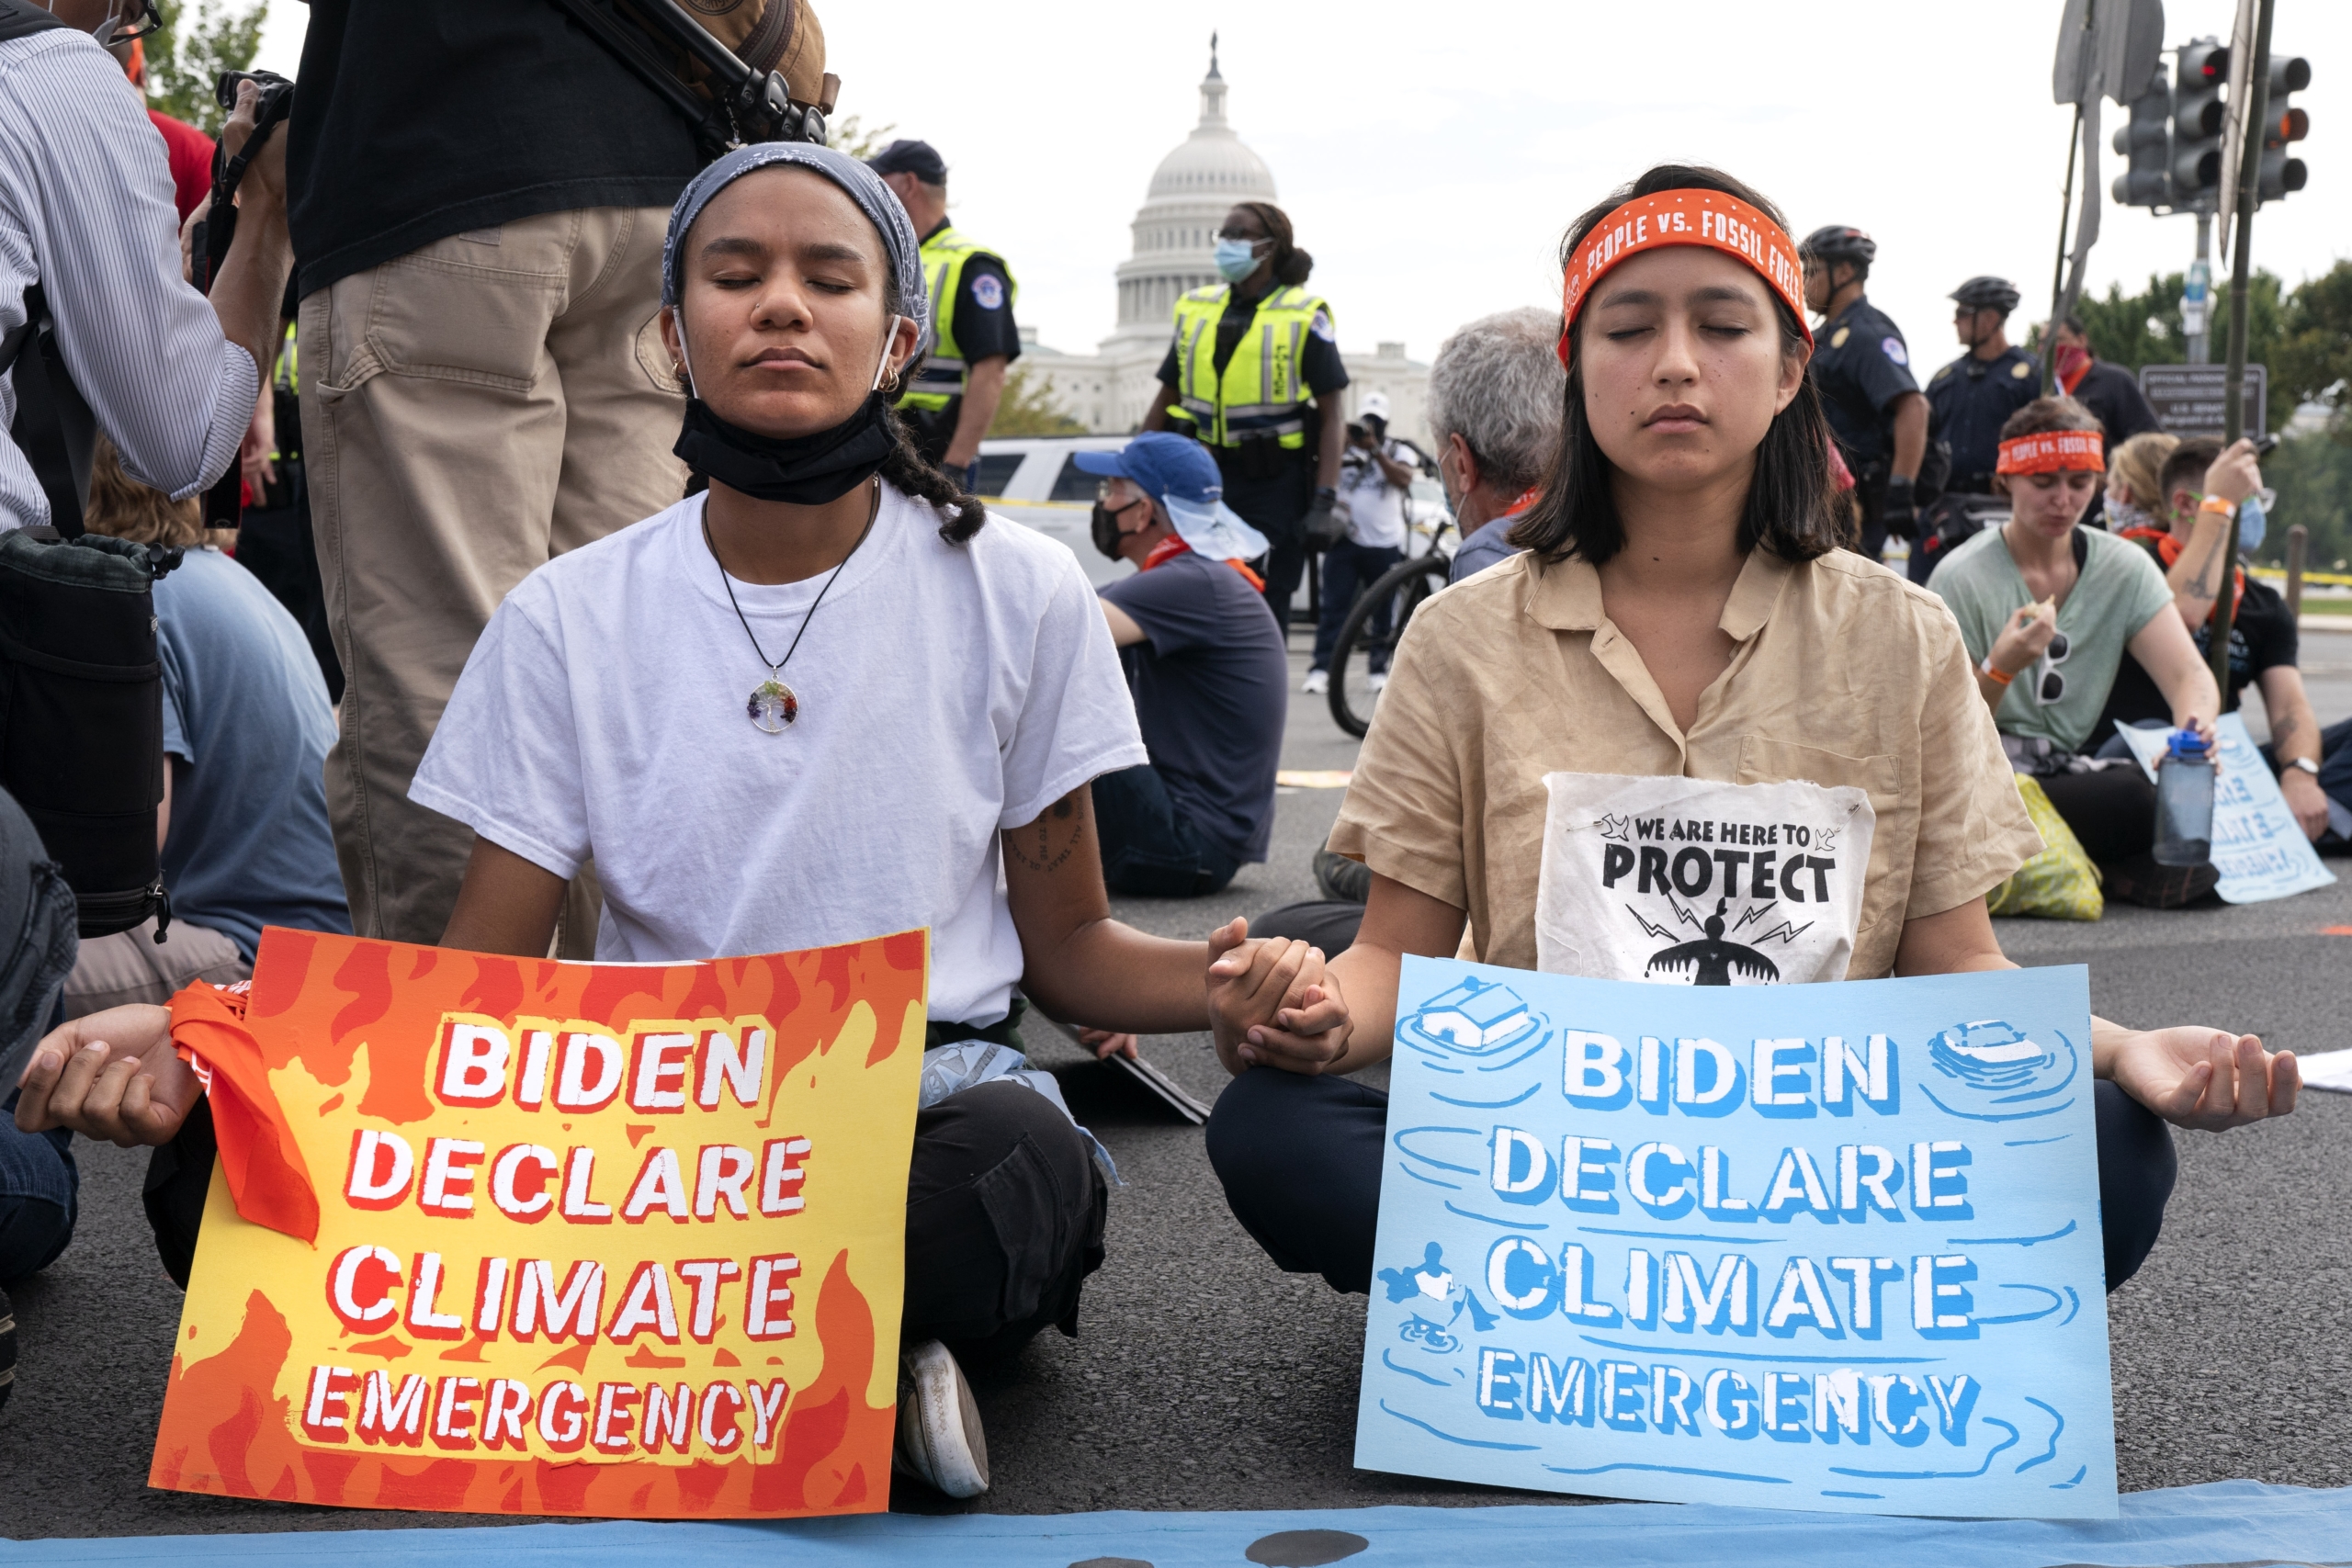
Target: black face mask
x,y
1104,525
805,471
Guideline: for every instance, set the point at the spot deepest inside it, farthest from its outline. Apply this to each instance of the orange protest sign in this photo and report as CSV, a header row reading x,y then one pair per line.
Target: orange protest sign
x,y
623,1240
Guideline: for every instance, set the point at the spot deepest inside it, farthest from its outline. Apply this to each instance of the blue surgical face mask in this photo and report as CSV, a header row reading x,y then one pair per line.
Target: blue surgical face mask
x,y
1236,259
2251,524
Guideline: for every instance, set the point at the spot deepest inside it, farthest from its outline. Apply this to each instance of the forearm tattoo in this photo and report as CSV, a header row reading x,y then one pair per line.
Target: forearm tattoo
x,y
1047,844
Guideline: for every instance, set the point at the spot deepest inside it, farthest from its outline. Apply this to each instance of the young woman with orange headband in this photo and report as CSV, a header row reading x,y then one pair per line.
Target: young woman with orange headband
x,y
1681,643
2048,610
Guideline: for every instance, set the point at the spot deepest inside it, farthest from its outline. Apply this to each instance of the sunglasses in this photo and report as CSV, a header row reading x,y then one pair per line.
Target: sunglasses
x,y
2049,681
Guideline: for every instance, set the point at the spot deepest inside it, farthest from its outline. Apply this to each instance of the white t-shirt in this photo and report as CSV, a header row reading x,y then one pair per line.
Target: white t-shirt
x,y
947,692
1376,507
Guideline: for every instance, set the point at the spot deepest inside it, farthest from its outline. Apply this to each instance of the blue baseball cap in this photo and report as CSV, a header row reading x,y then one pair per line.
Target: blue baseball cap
x,y
1178,472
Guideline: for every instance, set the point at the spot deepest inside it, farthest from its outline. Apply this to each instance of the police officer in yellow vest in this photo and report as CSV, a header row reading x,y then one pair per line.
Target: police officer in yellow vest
x,y
951,398
1252,374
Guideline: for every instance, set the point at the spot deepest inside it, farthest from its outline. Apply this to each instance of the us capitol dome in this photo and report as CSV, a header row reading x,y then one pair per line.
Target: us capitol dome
x,y
1175,238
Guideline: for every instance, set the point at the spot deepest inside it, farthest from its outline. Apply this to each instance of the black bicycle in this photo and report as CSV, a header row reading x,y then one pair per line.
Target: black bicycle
x,y
1401,588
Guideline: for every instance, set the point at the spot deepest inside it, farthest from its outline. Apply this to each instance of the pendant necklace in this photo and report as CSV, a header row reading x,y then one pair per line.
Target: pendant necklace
x,y
774,706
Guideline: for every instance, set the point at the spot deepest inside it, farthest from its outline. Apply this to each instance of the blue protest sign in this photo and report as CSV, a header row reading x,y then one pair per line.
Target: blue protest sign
x,y
2257,847
1830,1246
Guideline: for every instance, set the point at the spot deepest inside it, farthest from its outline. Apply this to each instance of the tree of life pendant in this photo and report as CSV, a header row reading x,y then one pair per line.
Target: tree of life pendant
x,y
773,706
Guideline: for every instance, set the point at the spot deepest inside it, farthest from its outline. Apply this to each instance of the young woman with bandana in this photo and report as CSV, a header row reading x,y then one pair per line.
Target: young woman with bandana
x,y
2048,609
1682,633
825,699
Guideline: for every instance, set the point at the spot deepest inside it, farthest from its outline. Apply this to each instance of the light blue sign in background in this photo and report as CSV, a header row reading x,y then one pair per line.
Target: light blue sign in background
x,y
1807,1246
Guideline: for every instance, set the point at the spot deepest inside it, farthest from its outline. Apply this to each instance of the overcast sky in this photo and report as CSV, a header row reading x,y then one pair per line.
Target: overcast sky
x,y
1430,156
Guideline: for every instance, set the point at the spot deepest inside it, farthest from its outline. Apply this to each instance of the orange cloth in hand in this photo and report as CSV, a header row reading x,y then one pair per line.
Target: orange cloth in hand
x,y
259,1154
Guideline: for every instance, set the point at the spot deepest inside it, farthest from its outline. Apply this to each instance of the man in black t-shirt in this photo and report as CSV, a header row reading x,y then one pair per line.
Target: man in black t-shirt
x,y
2263,649
478,194
1208,669
1862,368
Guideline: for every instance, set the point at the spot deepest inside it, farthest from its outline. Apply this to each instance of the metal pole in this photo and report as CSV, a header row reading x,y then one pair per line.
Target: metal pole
x,y
2297,541
2058,273
2249,177
2201,291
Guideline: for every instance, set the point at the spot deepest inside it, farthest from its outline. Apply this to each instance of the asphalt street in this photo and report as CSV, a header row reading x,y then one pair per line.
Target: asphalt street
x,y
1204,1378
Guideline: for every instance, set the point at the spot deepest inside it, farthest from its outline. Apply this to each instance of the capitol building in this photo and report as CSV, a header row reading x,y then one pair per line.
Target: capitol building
x,y
1175,235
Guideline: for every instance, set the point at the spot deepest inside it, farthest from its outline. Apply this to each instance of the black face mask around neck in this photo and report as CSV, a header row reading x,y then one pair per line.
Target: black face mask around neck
x,y
803,470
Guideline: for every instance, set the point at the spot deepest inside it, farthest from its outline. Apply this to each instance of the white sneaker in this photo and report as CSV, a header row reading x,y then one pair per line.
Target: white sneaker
x,y
940,1440
1376,680
1318,682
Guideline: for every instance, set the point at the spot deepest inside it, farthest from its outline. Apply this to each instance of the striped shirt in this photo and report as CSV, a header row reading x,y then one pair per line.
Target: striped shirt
x,y
86,212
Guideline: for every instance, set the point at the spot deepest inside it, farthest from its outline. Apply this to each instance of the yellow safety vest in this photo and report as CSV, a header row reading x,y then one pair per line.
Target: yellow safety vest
x,y
1262,392
939,380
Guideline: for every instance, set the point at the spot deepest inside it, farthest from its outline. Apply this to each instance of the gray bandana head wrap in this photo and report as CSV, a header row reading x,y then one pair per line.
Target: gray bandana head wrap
x,y
905,293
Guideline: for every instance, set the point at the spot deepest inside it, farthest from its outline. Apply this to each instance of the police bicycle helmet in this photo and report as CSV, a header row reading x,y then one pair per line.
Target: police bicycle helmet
x,y
1838,242
1987,293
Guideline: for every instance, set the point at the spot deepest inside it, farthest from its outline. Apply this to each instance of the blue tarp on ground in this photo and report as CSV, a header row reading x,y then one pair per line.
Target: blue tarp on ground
x,y
2225,1523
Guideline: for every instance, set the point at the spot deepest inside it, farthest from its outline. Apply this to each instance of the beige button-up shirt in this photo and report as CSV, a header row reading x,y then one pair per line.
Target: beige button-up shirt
x,y
1844,675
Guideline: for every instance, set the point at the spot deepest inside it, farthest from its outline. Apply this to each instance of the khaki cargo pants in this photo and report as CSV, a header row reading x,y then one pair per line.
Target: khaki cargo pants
x,y
470,411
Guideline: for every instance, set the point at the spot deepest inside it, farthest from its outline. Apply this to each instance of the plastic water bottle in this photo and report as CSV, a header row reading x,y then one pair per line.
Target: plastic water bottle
x,y
2185,802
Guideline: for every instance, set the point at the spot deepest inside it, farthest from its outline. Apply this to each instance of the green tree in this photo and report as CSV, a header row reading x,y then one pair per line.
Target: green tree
x,y
2133,330
1030,409
2314,352
848,134
2313,478
186,55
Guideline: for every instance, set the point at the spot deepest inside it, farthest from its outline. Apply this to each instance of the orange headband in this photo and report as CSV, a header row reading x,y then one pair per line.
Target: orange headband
x,y
1706,217
2053,450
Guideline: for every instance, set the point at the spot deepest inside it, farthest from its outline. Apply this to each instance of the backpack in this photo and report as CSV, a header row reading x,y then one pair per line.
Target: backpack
x,y
82,713
737,71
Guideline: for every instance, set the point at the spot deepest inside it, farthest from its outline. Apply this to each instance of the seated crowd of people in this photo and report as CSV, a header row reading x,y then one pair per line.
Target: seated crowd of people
x,y
666,736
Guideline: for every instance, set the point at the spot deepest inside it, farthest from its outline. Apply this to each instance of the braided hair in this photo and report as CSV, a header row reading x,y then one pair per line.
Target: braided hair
x,y
960,515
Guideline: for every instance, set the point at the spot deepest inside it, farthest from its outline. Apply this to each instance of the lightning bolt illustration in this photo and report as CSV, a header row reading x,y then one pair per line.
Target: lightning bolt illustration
x,y
1786,932
1655,930
1756,914
1686,916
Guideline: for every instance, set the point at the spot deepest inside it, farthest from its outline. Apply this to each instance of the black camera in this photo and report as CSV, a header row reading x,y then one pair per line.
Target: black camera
x,y
210,242
277,96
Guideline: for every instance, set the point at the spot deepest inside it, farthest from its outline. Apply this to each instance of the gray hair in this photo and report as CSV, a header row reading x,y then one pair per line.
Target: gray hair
x,y
1497,384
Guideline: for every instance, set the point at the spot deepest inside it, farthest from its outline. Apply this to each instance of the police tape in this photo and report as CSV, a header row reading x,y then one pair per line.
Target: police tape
x,y
2278,574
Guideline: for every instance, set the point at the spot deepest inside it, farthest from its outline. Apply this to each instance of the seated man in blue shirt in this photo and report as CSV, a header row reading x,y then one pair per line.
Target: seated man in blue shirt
x,y
1205,660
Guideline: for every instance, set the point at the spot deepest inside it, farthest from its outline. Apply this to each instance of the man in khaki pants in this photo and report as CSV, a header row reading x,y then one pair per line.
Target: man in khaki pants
x,y
479,204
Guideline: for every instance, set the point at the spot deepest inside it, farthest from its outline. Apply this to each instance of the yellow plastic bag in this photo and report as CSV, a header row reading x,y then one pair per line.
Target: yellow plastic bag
x,y
2059,883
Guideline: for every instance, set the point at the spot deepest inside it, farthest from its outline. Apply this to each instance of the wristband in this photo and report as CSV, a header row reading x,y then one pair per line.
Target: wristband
x,y
2215,503
1990,673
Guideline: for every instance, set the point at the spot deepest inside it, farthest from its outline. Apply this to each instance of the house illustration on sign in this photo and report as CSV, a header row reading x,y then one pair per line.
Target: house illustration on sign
x,y
1476,1018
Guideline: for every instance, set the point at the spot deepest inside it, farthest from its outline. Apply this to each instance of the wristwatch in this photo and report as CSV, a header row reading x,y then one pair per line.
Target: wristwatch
x,y
2305,763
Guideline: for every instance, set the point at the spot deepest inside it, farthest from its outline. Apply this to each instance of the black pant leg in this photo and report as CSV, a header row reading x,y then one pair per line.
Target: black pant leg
x,y
178,1175
2137,1167
1328,923
1005,1213
1300,1161
2112,811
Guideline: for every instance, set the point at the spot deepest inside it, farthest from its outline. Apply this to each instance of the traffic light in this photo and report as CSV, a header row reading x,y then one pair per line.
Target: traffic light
x,y
2147,141
2203,69
2283,123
